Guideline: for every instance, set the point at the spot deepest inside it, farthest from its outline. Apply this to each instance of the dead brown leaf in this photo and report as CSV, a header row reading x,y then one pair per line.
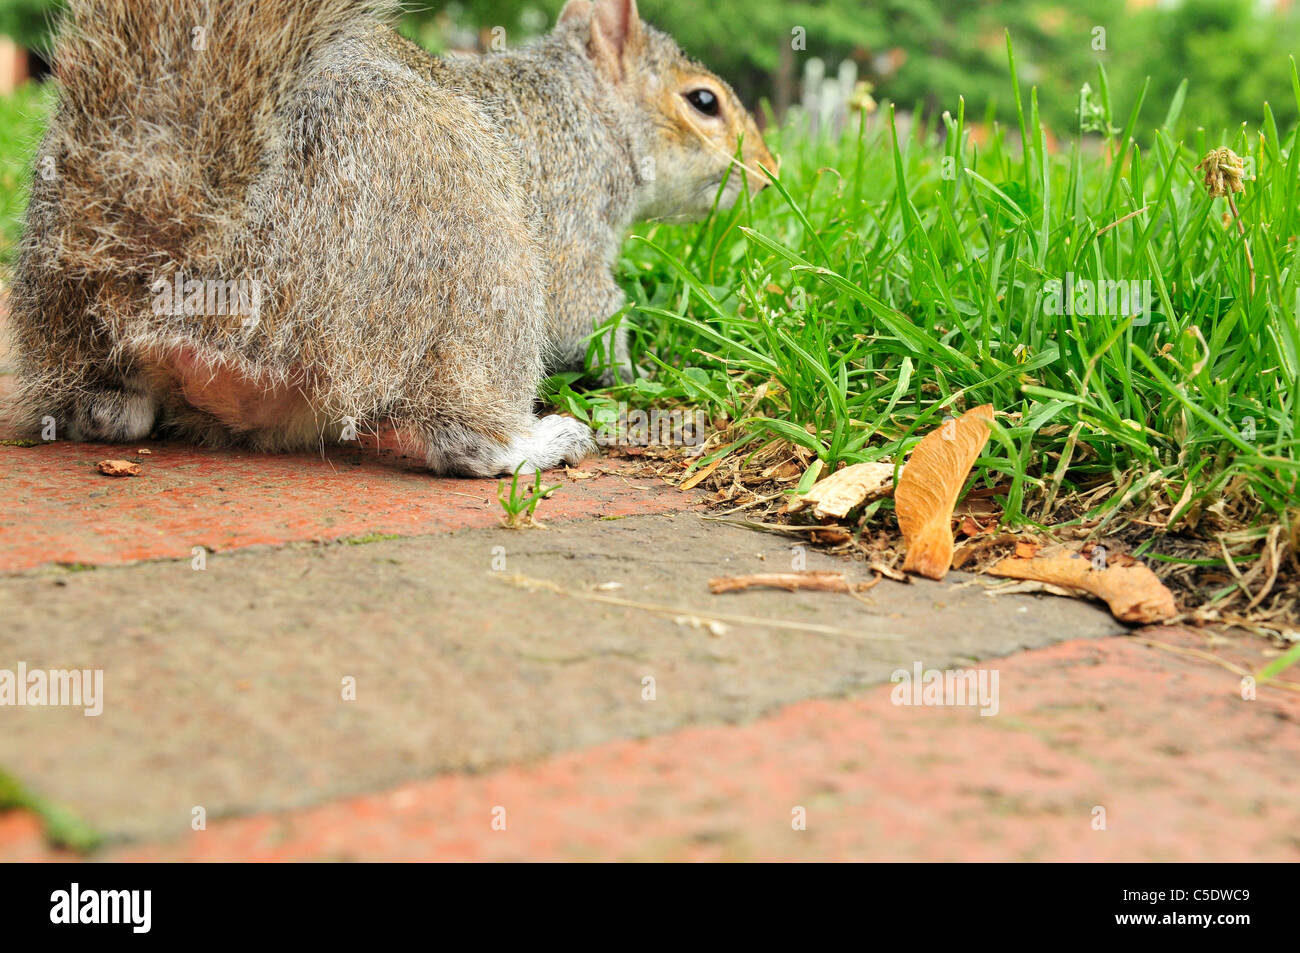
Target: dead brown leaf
x,y
927,490
889,572
833,535
833,497
977,548
695,478
118,468
784,472
1132,591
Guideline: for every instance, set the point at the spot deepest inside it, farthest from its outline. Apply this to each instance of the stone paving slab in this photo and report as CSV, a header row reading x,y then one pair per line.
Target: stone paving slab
x,y
223,687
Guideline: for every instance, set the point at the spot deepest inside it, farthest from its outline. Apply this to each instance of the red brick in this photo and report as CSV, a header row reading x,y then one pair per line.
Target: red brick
x,y
56,508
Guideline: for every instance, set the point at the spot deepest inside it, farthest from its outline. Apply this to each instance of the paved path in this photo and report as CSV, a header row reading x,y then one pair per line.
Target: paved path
x,y
500,676
1182,769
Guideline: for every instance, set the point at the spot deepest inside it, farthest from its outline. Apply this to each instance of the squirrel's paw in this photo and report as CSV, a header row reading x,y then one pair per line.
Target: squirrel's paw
x,y
550,442
116,416
554,440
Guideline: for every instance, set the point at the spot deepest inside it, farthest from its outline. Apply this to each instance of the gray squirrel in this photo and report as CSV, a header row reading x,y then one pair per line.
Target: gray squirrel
x,y
262,222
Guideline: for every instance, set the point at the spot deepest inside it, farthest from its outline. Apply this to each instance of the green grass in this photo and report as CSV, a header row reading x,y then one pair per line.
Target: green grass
x,y
519,503
62,828
874,294
369,538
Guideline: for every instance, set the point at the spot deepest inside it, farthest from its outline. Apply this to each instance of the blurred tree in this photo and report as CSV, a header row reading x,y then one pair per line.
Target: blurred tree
x,y
1233,60
923,51
28,21
913,51
951,48
931,51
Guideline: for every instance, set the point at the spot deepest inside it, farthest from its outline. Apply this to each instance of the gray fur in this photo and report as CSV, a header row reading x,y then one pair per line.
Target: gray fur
x,y
426,237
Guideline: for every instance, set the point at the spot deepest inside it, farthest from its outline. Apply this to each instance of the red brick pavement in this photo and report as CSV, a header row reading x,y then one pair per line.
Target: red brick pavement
x,y
55,507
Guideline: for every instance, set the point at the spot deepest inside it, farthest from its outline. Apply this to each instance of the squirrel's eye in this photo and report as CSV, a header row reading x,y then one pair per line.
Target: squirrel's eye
x,y
704,101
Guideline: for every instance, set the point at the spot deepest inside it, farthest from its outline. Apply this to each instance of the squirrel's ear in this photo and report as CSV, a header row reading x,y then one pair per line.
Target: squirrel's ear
x,y
575,11
616,32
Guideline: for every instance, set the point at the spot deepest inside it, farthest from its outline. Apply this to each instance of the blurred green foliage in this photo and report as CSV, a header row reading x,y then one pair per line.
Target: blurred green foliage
x,y
927,51
22,122
1233,59
28,21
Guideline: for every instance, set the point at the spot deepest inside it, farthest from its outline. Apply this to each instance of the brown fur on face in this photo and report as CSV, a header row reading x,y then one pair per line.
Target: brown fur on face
x,y
696,153
687,153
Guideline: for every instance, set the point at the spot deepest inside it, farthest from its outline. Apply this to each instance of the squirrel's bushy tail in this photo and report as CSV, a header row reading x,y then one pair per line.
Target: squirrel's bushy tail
x,y
165,113
166,120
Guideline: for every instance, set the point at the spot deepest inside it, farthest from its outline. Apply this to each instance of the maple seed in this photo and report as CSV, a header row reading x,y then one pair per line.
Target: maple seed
x,y
928,488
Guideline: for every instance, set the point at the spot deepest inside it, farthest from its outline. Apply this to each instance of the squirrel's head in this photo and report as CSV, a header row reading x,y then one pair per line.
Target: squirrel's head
x,y
690,124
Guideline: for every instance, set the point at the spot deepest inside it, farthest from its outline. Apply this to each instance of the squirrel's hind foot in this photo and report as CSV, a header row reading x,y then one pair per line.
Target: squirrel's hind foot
x,y
551,441
112,415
